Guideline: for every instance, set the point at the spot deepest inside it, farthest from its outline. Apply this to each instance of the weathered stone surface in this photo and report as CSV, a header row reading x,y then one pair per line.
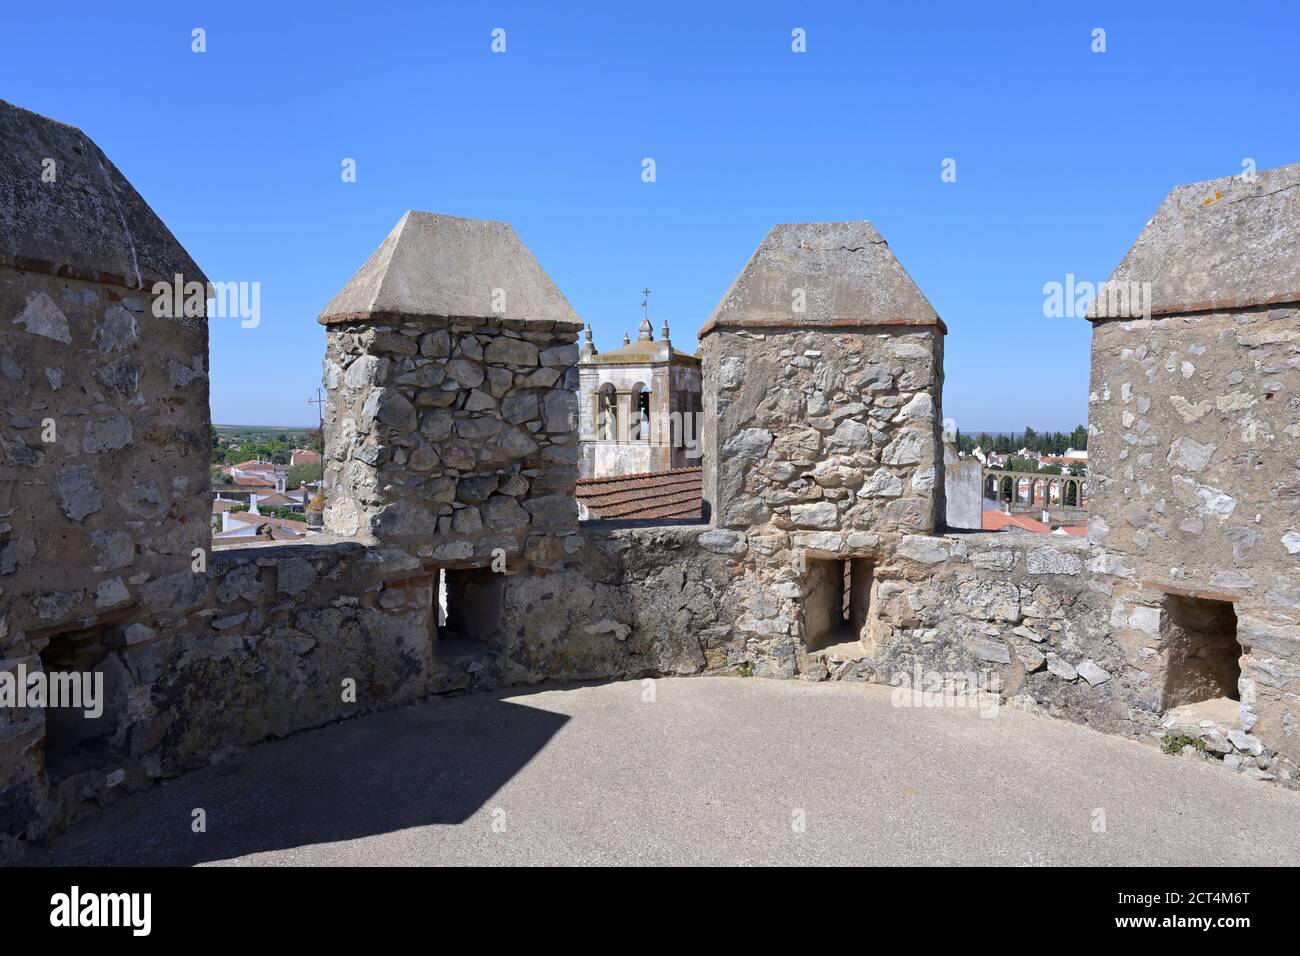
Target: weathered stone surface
x,y
924,549
560,411
720,541
294,576
1000,560
1052,561
94,224
906,449
1093,674
1204,250
504,514
42,317
432,265
1061,668
750,443
993,651
845,269
822,514
107,435
882,484
1030,657
1245,742
504,350
76,491
1189,455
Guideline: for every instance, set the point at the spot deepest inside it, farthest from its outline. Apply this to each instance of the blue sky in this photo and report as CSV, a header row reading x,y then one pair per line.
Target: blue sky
x,y
1062,154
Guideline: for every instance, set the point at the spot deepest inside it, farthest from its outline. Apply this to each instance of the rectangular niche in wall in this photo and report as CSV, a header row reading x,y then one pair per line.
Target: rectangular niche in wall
x,y
75,742
836,597
1200,652
469,612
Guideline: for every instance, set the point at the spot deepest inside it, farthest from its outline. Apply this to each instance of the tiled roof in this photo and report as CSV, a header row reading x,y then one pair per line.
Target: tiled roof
x,y
247,517
664,494
249,481
996,520
277,499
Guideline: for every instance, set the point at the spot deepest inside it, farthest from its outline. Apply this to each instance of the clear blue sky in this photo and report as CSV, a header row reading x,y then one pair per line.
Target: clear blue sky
x,y
1062,154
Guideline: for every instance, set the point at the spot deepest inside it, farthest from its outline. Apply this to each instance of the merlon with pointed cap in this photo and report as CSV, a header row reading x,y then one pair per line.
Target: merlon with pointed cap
x,y
823,275
66,210
1227,243
443,267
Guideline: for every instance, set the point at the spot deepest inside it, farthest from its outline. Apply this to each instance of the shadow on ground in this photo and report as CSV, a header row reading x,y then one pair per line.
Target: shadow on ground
x,y
436,763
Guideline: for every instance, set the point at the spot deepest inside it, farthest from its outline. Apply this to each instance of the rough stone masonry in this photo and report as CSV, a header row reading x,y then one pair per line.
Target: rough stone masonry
x,y
451,442
451,425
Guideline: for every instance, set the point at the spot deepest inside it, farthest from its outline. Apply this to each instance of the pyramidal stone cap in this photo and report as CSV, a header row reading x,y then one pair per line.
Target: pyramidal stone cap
x,y
441,268
841,274
1227,243
77,216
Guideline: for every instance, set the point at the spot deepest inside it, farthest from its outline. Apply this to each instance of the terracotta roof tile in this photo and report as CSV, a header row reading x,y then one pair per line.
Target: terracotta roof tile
x,y
995,521
666,494
278,499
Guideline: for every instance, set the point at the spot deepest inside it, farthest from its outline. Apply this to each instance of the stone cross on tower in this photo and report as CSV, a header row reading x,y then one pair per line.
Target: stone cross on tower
x,y
645,304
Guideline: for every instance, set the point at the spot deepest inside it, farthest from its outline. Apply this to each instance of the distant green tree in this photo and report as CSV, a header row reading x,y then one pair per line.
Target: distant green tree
x,y
284,513
1024,464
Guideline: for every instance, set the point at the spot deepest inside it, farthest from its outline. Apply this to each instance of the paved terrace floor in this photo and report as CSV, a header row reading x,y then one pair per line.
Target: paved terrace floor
x,y
711,772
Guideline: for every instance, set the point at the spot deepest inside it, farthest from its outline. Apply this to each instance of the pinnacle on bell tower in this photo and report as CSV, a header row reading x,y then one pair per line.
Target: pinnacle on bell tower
x,y
645,333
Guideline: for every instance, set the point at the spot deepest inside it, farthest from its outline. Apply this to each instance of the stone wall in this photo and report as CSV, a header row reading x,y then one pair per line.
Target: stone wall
x,y
1019,607
105,446
105,442
270,639
451,440
825,430
1194,412
1187,415
631,603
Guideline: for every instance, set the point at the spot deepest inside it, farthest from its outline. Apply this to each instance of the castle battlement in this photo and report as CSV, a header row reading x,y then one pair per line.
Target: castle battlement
x,y
453,558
